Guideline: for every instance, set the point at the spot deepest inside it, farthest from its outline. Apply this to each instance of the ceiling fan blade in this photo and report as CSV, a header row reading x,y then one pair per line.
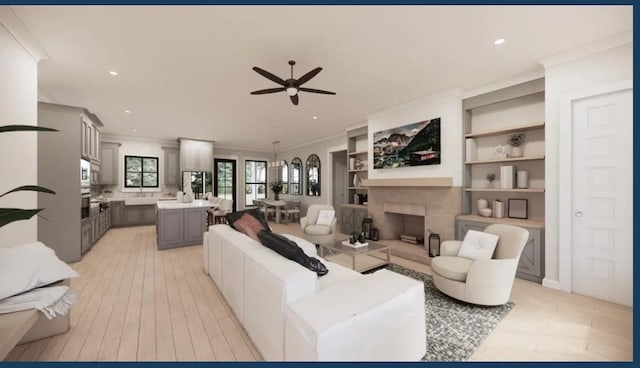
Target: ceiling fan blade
x,y
294,99
269,76
305,78
317,91
268,90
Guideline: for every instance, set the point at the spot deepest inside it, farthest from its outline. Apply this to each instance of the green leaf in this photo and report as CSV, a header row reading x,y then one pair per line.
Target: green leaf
x,y
33,188
19,128
9,215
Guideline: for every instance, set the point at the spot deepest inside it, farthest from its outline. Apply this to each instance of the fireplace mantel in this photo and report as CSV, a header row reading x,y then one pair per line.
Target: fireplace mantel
x,y
409,182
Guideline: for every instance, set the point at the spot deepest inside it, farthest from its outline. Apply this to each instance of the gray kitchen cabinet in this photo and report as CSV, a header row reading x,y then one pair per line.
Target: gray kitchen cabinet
x,y
196,155
90,138
171,165
180,227
109,163
117,213
85,235
95,227
531,265
132,215
85,137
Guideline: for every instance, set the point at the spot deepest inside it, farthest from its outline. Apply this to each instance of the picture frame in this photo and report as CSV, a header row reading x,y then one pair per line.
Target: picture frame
x,y
518,208
414,144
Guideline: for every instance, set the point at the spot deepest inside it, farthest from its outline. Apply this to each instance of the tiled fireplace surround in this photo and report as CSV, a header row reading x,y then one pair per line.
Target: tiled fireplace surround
x,y
404,205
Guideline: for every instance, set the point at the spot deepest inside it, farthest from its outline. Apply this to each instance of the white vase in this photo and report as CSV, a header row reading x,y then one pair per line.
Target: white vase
x,y
356,180
522,180
516,151
482,203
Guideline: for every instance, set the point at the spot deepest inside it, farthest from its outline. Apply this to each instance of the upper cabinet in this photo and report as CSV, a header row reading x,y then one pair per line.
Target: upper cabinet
x,y
109,159
196,155
90,138
171,165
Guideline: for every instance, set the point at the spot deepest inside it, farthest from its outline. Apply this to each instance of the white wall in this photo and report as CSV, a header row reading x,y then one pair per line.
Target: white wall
x,y
18,151
447,105
133,146
562,79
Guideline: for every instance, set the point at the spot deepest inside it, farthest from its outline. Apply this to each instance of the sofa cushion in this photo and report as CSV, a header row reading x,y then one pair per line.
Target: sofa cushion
x,y
452,268
317,230
290,250
337,275
308,247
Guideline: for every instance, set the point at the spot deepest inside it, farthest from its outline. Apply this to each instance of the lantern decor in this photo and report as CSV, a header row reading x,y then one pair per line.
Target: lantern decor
x,y
434,244
367,226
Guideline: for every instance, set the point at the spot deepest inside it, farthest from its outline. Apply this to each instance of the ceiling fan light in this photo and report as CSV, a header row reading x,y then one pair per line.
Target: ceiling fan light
x,y
292,91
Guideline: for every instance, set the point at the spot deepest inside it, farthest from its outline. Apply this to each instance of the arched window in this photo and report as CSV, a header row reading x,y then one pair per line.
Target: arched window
x,y
313,175
284,177
295,177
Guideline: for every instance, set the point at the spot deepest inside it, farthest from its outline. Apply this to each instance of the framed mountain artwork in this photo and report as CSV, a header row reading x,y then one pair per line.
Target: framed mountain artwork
x,y
414,144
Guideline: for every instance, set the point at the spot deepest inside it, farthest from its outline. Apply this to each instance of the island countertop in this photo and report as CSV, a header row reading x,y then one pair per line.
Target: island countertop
x,y
173,204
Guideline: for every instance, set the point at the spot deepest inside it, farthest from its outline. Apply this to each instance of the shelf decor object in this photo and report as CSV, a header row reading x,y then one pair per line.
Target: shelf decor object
x,y
498,208
518,208
516,140
414,144
522,181
507,176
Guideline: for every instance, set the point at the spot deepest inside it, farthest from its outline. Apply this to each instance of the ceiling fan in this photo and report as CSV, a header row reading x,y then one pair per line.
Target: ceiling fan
x,y
291,86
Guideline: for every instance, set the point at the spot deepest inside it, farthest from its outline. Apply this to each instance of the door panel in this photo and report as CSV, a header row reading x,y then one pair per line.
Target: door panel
x,y
603,197
224,180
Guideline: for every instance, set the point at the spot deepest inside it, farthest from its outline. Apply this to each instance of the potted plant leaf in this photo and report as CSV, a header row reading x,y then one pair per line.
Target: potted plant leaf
x,y
516,140
276,188
9,215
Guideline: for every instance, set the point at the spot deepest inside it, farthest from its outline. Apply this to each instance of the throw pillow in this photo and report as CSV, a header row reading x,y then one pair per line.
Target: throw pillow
x,y
247,222
325,217
232,217
290,250
29,266
478,245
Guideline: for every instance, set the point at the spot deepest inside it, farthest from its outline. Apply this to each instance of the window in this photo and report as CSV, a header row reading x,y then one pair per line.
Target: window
x,y
255,180
140,172
284,177
313,175
295,184
201,183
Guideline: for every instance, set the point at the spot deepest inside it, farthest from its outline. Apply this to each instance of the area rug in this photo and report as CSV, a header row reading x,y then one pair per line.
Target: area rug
x,y
454,329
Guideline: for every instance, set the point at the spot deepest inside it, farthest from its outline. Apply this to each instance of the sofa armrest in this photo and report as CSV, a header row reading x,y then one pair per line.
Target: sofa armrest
x,y
450,248
304,222
388,325
492,273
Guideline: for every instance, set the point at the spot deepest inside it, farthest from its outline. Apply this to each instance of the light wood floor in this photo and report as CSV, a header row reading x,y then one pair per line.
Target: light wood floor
x,y
138,303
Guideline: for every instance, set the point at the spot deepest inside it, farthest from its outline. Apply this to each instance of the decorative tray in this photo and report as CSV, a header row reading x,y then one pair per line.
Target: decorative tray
x,y
356,245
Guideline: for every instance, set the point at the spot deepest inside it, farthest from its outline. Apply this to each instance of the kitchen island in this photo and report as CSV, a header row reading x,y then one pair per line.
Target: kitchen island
x,y
181,224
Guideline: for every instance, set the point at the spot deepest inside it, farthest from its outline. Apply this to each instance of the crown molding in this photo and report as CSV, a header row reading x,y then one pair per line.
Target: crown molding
x,y
120,138
238,148
21,34
315,141
448,92
519,79
618,40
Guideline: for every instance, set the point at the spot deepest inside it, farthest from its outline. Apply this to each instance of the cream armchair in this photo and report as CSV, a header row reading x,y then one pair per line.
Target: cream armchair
x,y
486,282
318,234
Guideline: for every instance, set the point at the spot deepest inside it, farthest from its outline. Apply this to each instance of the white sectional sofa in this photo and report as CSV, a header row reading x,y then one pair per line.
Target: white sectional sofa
x,y
292,314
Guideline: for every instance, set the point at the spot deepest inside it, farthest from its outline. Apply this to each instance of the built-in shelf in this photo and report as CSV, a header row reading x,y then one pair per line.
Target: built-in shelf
x,y
530,158
506,130
410,182
357,153
533,223
528,190
362,188
356,206
360,170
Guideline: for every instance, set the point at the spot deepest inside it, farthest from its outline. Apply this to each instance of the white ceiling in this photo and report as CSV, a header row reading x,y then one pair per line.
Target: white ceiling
x,y
186,71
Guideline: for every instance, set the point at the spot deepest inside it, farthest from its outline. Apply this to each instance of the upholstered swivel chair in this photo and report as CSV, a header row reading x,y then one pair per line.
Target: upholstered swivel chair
x,y
318,234
484,282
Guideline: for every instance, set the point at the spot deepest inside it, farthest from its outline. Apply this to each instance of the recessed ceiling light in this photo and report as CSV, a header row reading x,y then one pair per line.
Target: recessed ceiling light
x,y
315,117
499,41
127,111
113,72
134,130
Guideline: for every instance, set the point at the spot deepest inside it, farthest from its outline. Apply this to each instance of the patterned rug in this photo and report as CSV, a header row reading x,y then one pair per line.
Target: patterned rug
x,y
454,329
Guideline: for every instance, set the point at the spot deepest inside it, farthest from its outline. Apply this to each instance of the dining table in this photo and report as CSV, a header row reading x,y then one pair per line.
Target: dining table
x,y
278,205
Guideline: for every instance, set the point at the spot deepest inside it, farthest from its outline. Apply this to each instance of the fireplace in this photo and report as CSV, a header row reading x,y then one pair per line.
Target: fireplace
x,y
408,221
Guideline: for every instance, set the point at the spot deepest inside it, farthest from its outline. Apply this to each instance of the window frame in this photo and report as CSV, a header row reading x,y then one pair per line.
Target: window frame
x,y
284,177
142,172
266,179
308,191
297,161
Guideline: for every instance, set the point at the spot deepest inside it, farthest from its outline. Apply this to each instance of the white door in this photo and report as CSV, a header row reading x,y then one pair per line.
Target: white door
x,y
602,226
339,181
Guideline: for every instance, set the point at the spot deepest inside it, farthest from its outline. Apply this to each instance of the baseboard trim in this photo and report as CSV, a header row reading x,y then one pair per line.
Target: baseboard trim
x,y
552,284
